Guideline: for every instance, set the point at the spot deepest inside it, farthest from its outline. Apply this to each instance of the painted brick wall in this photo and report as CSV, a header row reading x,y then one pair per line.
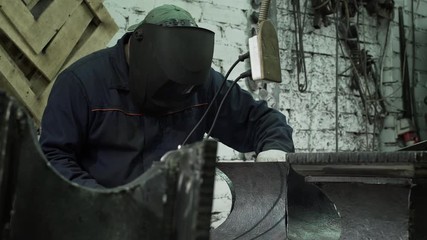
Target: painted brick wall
x,y
392,85
312,114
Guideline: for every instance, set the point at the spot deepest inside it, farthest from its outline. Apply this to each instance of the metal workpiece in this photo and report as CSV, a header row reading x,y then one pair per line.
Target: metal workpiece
x,y
259,198
352,196
380,195
349,158
329,196
312,214
402,164
9,149
420,146
191,189
172,200
271,201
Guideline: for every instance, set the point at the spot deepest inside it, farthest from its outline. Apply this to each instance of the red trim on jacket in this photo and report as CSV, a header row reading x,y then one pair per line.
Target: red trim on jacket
x,y
115,110
141,114
194,106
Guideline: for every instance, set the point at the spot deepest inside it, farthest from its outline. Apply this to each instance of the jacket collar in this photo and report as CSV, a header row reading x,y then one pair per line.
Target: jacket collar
x,y
120,65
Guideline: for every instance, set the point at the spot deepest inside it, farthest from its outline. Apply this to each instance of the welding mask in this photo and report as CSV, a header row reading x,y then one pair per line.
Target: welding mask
x,y
167,64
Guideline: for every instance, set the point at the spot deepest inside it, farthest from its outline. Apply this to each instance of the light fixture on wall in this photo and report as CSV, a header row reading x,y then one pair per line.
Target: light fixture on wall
x,y
263,49
264,54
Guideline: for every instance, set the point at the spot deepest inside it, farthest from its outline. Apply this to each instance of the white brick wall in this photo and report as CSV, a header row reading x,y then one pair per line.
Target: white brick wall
x,y
392,81
311,114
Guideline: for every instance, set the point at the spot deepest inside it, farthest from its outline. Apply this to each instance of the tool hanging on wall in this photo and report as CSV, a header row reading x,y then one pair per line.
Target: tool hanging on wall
x,y
264,51
380,8
299,43
406,129
322,8
350,8
362,70
364,77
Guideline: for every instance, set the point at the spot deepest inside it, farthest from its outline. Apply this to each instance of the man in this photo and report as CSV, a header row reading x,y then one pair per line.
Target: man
x,y
113,113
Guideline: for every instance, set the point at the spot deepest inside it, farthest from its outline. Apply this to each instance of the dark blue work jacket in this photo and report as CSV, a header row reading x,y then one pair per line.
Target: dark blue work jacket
x,y
93,134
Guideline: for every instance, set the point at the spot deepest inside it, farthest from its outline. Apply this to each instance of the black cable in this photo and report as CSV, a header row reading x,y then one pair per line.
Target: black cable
x,y
412,83
381,98
336,76
299,43
359,81
357,78
243,75
282,183
240,59
363,60
303,87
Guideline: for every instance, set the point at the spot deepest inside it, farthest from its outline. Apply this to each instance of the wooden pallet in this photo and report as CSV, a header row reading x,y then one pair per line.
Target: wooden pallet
x,y
39,38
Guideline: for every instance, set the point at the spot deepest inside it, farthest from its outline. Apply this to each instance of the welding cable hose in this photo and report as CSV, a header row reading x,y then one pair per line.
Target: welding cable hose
x,y
241,58
243,75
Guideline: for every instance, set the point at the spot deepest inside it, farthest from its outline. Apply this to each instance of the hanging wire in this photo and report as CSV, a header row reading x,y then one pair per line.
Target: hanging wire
x,y
369,101
414,114
336,76
241,58
299,43
357,78
243,75
386,46
384,99
364,62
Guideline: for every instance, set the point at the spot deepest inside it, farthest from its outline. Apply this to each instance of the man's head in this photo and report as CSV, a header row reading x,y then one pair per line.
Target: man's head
x,y
169,57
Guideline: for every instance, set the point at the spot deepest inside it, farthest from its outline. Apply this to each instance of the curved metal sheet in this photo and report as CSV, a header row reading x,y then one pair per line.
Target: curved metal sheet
x,y
8,150
312,215
259,202
262,193
49,207
172,200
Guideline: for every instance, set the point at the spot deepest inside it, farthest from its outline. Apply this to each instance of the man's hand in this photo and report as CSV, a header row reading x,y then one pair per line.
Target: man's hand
x,y
271,156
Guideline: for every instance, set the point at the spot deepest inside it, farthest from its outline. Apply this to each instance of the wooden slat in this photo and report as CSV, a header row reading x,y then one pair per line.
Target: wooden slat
x,y
96,41
38,83
102,14
64,42
87,29
26,2
61,46
31,3
18,82
5,86
38,33
99,38
95,6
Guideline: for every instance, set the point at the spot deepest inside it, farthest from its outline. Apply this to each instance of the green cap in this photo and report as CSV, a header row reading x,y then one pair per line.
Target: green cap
x,y
167,15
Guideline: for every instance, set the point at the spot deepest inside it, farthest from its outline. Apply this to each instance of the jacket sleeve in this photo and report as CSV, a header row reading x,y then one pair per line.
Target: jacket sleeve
x,y
63,128
247,125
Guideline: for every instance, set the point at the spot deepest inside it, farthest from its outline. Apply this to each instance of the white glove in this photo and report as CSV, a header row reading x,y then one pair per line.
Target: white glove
x,y
271,156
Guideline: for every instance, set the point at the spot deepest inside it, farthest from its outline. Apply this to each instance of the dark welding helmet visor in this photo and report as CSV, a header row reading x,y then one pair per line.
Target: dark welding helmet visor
x,y
167,65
